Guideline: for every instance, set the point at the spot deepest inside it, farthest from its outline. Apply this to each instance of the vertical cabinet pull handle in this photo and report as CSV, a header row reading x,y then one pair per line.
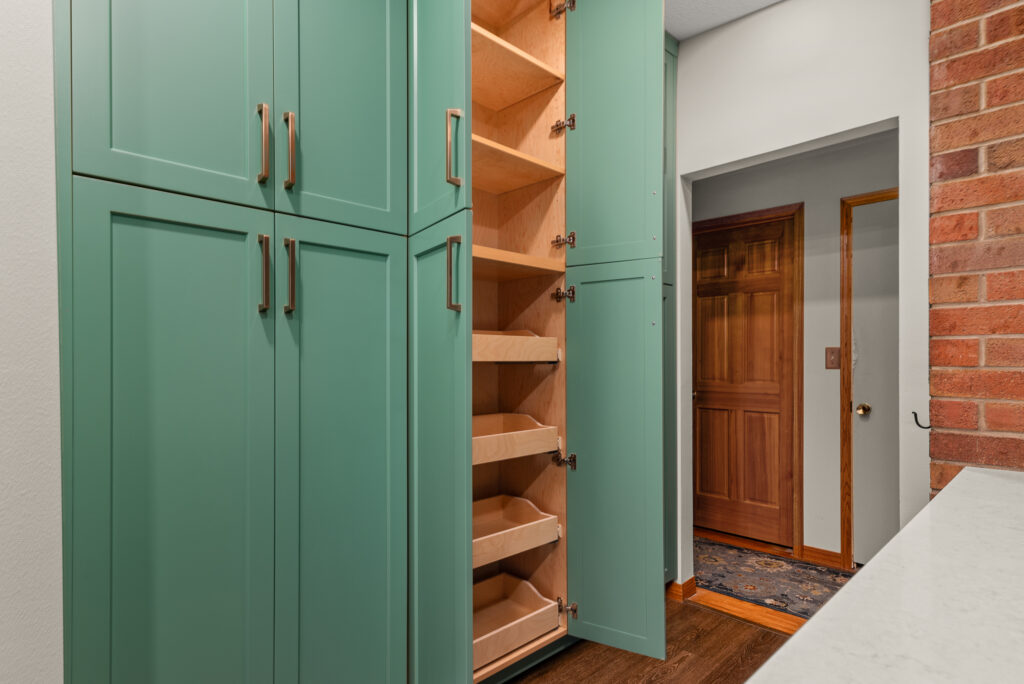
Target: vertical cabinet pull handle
x,y
264,109
289,182
289,244
452,239
264,241
457,113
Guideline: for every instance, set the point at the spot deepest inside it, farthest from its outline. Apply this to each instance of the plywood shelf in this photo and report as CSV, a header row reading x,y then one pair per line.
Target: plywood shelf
x,y
506,525
502,436
503,74
513,346
501,265
500,13
507,613
498,169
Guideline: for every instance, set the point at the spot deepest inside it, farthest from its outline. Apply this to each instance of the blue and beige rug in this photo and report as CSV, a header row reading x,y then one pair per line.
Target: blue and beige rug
x,y
781,584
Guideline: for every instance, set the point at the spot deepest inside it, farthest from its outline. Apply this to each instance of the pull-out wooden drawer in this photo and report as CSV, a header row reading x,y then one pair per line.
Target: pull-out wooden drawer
x,y
500,436
507,613
506,525
513,346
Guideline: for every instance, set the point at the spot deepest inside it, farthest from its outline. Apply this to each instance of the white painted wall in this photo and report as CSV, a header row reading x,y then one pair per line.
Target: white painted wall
x,y
819,179
799,75
30,523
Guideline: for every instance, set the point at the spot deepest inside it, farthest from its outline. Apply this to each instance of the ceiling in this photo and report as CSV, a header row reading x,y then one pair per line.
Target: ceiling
x,y
686,18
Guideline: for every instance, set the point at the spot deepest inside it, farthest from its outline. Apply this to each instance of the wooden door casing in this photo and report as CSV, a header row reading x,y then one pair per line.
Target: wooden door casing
x,y
747,374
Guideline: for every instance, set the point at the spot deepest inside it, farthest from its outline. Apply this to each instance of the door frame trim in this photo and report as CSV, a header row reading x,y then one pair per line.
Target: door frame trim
x,y
846,205
744,220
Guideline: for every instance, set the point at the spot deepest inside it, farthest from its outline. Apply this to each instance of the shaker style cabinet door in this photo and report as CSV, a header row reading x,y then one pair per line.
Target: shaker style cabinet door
x,y
170,95
340,123
614,86
439,111
172,518
341,454
440,470
614,425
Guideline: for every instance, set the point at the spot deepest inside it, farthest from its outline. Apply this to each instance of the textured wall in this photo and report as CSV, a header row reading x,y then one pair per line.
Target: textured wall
x,y
977,236
30,530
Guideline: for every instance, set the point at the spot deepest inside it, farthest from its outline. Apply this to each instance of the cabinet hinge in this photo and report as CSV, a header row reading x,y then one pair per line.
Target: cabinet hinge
x,y
569,239
562,124
560,8
560,460
560,294
571,609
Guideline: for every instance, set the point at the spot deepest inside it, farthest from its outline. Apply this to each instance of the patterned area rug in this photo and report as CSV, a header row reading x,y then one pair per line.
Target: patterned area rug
x,y
787,585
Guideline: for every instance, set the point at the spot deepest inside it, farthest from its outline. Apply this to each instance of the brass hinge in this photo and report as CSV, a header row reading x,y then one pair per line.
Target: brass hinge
x,y
562,124
569,239
560,460
571,608
561,8
560,294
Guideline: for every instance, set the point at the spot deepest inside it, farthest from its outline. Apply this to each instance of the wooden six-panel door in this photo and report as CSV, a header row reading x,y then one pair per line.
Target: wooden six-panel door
x,y
747,332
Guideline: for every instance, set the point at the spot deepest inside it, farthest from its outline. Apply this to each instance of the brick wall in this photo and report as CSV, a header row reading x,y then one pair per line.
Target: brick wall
x,y
977,236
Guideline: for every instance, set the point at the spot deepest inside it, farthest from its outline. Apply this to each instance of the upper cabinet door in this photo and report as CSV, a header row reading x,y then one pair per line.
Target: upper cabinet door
x,y
439,111
169,95
614,84
340,90
614,426
670,181
341,465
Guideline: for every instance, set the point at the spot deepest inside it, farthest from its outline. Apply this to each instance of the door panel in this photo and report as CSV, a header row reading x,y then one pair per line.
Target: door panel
x,y
166,94
615,86
671,433
173,471
341,455
670,182
345,80
440,534
439,80
745,361
614,411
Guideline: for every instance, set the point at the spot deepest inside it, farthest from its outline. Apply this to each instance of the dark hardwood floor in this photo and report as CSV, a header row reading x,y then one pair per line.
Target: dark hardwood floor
x,y
703,646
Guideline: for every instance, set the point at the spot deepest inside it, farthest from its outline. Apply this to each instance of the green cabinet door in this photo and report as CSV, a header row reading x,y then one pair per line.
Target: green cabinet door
x,y
614,426
440,470
670,182
439,81
341,455
671,432
340,68
172,516
614,85
166,94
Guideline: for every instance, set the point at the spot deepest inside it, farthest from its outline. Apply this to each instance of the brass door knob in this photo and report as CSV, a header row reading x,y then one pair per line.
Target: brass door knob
x,y
863,409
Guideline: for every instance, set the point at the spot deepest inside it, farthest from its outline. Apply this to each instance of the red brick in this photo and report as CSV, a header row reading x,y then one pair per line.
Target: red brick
x,y
1004,90
1003,25
1001,123
954,165
956,102
1004,286
978,320
1004,417
956,289
948,12
955,40
977,384
943,473
978,449
946,413
1005,155
953,228
1004,352
977,256
977,192
1004,221
953,352
997,59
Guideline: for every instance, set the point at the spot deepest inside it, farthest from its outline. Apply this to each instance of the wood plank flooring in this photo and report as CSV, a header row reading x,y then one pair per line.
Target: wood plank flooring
x,y
703,646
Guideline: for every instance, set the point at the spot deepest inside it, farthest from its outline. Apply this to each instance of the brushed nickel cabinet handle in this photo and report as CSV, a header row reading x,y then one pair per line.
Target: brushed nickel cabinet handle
x,y
452,239
289,182
264,241
264,109
289,244
863,409
457,113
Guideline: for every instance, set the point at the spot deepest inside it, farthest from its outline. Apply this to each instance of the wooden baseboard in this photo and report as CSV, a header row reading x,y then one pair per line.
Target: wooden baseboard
x,y
830,559
759,615
680,592
810,554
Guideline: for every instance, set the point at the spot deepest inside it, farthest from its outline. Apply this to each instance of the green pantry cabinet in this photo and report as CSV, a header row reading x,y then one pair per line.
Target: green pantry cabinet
x,y
301,446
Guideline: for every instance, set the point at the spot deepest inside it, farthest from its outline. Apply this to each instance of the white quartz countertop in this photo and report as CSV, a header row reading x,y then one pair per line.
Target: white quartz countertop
x,y
942,602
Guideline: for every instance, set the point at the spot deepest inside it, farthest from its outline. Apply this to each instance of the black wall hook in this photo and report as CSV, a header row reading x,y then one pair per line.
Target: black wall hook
x,y
923,427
